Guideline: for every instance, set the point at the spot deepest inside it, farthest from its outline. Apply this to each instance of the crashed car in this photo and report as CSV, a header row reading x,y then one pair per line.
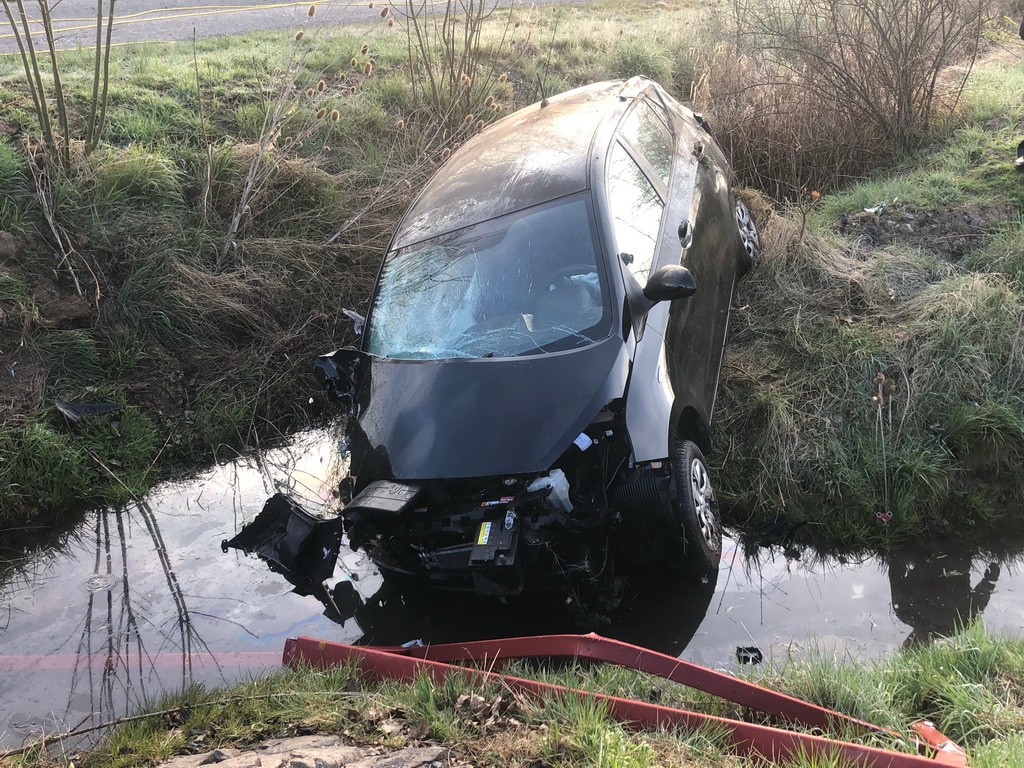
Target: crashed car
x,y
530,403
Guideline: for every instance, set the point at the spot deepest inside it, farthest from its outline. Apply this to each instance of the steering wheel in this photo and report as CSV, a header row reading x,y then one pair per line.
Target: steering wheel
x,y
560,278
574,269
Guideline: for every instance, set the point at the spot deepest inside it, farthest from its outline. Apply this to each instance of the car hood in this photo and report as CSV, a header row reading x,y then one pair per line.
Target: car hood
x,y
434,419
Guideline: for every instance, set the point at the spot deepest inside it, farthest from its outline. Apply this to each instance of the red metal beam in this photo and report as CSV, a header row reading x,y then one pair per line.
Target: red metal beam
x,y
596,648
745,738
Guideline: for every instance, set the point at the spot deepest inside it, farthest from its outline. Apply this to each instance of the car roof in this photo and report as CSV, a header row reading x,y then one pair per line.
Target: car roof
x,y
530,157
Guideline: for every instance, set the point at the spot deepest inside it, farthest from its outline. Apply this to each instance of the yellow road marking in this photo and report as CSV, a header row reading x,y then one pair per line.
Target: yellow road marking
x,y
181,13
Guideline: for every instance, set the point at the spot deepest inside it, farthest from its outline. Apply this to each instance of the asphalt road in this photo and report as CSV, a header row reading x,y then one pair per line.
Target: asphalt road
x,y
168,20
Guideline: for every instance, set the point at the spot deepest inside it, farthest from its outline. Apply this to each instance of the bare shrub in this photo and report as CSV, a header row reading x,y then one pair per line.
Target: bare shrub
x,y
777,133
810,93
43,78
880,60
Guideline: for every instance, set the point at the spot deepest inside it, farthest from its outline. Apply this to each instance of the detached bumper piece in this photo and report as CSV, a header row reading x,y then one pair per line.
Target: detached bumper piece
x,y
299,546
774,744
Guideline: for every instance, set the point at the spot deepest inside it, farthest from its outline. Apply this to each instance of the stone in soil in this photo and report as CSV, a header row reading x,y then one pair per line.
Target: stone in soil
x,y
68,312
9,246
948,232
315,752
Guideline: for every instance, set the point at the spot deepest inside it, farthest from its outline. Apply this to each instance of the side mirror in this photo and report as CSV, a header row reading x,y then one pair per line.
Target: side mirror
x,y
669,283
338,372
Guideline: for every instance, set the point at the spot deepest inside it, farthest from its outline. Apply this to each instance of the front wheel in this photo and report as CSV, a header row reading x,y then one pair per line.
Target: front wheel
x,y
695,509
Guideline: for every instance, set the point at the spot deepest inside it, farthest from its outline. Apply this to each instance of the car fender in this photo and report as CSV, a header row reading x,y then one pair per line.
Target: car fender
x,y
650,399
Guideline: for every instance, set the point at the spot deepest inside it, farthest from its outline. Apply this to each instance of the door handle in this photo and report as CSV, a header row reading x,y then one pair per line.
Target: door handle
x,y
685,232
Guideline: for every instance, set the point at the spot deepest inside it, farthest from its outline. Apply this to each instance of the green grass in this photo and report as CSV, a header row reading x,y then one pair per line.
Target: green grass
x,y
45,466
211,350
14,182
970,686
823,317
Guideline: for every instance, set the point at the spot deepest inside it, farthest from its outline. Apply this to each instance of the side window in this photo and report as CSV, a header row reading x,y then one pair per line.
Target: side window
x,y
636,212
646,128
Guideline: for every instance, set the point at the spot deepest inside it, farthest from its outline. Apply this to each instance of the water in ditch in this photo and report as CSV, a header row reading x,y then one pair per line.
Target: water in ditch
x,y
140,601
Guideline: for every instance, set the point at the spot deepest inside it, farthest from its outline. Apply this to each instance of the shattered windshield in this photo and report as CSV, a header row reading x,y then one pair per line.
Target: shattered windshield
x,y
522,284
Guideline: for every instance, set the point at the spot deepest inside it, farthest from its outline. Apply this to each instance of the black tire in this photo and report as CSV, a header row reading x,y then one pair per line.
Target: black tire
x,y
695,508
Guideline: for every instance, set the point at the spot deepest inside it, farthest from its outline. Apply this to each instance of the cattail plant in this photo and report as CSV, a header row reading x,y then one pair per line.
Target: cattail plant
x,y
451,71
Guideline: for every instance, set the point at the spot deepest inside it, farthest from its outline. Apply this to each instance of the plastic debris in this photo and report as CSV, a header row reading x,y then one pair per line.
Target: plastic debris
x,y
583,441
299,546
877,209
357,320
75,412
749,654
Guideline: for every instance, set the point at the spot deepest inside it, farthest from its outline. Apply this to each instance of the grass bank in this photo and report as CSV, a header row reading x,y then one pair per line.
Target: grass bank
x,y
970,686
149,273
874,379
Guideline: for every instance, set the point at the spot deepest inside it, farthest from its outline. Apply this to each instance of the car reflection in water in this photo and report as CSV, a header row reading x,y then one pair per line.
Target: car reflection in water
x,y
656,612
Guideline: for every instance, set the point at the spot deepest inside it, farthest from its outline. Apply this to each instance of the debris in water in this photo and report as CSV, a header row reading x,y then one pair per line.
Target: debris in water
x,y
299,546
749,654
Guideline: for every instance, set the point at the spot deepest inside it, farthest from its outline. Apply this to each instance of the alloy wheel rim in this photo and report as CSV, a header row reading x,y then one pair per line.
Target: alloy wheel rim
x,y
700,485
748,232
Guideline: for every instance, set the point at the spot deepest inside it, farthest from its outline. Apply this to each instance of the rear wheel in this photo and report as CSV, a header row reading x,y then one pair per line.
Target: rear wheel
x,y
695,509
749,239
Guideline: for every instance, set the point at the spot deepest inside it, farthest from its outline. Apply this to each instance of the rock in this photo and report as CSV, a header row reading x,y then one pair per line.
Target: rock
x,y
68,312
412,757
313,752
218,756
9,246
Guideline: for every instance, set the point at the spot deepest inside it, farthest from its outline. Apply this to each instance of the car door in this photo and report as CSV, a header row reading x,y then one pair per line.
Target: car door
x,y
649,175
675,166
697,331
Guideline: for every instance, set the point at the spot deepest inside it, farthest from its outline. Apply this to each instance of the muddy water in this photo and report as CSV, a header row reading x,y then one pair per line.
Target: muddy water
x,y
140,601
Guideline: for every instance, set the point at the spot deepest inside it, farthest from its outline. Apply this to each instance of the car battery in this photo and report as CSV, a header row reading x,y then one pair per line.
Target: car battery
x,y
496,569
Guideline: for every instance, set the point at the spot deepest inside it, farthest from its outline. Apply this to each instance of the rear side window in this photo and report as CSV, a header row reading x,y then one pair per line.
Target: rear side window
x,y
636,210
646,128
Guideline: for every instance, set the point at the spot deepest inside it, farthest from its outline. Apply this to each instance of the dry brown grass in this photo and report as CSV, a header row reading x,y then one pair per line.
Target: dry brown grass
x,y
812,94
778,134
